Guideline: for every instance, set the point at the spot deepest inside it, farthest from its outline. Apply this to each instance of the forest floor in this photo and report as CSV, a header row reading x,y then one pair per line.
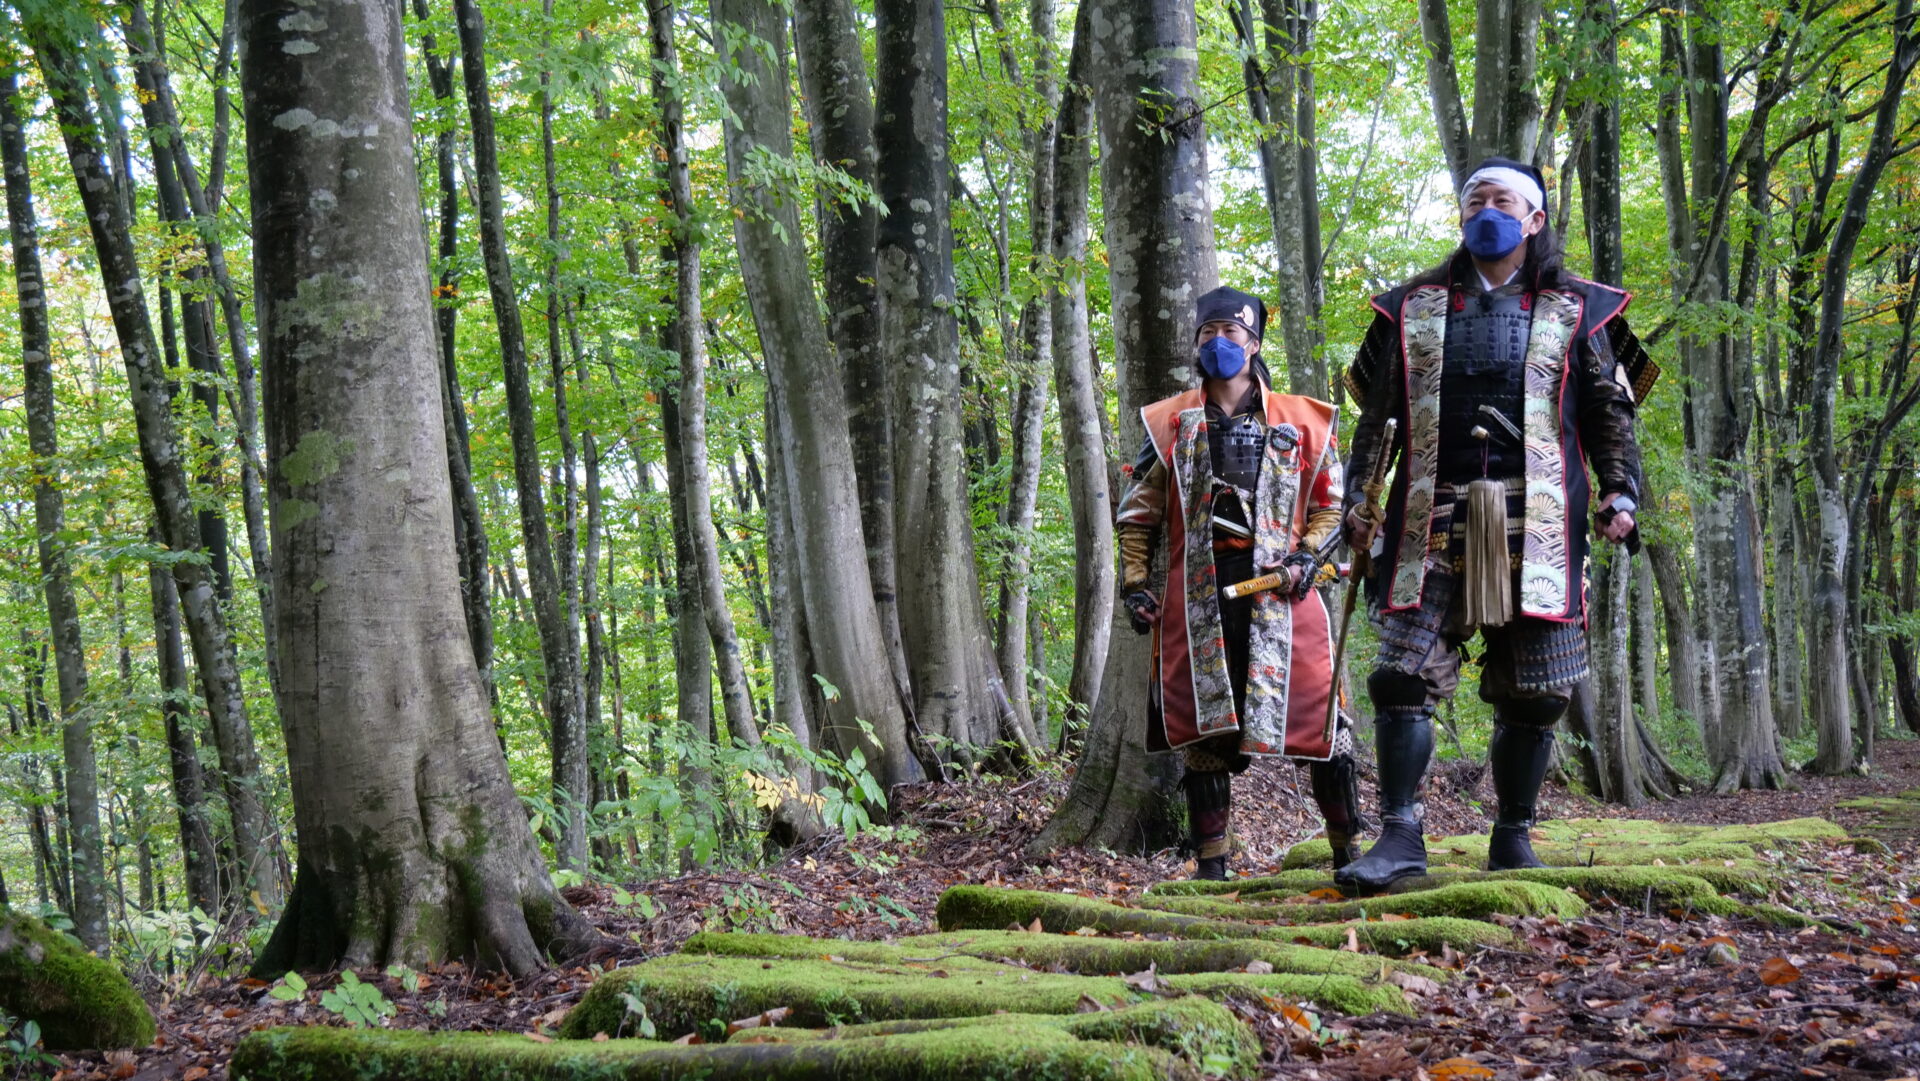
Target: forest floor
x,y
1625,991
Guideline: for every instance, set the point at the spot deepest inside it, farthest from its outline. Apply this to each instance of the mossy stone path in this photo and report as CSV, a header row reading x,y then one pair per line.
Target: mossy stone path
x,y
1024,983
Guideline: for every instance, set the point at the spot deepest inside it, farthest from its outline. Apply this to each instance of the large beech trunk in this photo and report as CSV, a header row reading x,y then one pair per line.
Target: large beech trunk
x,y
957,690
413,845
1160,250
49,519
843,622
161,458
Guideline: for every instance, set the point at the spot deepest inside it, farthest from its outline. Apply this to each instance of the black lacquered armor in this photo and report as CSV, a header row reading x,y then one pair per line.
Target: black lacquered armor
x,y
1485,364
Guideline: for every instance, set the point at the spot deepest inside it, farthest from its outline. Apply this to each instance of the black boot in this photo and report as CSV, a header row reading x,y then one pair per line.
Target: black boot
x,y
1335,790
1209,804
1517,757
1404,738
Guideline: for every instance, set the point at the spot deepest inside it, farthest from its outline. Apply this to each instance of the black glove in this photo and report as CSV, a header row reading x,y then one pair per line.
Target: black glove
x,y
1141,608
1306,566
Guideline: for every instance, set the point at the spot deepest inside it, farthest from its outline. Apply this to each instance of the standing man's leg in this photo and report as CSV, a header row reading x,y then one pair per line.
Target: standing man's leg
x,y
1212,763
1528,668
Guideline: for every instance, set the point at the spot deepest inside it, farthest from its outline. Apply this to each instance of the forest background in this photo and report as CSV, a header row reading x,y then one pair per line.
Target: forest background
x,y
714,315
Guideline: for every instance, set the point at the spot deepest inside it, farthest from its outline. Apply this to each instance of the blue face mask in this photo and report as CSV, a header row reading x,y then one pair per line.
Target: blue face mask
x,y
1221,357
1492,234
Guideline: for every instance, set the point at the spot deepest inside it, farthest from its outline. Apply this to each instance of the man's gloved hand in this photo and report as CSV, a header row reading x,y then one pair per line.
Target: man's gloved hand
x,y
1305,567
1143,611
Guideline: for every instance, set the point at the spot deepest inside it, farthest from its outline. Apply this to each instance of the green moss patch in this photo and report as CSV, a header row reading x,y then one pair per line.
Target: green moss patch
x,y
690,993
1470,900
1471,851
1745,876
1196,1029
995,1053
79,1001
1082,954
986,908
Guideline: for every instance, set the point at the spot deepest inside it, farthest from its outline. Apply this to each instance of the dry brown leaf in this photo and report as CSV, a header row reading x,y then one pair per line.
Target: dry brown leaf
x,y
1300,1021
1326,893
769,1019
600,1037
1414,982
1089,1004
1036,926
1353,941
1778,972
1148,981
538,1037
689,1040
1260,968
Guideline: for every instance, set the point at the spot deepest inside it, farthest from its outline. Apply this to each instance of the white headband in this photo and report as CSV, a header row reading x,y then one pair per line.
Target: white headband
x,y
1506,177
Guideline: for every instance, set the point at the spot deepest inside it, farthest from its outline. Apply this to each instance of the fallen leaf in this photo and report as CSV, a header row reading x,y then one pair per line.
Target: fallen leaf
x,y
538,1037
1414,982
1458,1066
1353,941
600,1037
1036,926
1089,1004
1326,893
1300,1020
769,1019
1260,968
1779,971
194,1073
689,1040
1148,981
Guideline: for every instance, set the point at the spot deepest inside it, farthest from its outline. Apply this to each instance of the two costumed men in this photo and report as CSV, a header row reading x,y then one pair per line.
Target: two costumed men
x,y
1500,369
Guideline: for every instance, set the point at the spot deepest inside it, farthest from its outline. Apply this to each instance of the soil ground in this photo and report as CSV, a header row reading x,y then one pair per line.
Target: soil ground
x,y
1624,992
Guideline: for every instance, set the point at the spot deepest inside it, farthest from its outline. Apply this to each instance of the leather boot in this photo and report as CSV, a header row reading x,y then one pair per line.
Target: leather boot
x,y
1209,804
1335,790
1517,757
1404,739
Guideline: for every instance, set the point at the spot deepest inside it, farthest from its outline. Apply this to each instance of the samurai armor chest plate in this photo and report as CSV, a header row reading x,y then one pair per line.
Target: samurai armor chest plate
x,y
1236,446
1485,365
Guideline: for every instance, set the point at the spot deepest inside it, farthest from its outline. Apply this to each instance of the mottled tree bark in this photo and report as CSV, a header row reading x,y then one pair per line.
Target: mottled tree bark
x,y
957,690
1279,99
1082,424
1160,249
199,852
413,846
160,456
560,657
89,911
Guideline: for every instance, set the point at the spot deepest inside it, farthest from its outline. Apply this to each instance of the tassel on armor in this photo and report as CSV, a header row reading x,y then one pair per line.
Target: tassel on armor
x,y
1487,590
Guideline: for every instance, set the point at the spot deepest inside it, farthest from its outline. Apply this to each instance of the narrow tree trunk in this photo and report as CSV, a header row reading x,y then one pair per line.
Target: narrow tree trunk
x,y
413,846
559,658
89,911
1283,152
198,851
469,528
1160,249
1082,425
1443,87
160,457
843,622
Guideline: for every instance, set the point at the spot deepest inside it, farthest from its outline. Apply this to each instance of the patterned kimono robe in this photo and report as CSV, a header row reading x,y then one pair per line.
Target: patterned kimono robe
x,y
1578,404
1290,672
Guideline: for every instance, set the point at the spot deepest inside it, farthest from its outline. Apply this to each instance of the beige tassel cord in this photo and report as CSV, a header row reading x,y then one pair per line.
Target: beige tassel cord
x,y
1487,589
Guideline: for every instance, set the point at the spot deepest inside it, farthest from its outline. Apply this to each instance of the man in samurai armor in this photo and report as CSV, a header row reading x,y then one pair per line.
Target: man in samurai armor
x,y
1504,371
1243,482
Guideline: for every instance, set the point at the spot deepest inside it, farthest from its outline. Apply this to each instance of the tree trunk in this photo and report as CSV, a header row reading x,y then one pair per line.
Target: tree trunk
x,y
839,103
1082,427
469,528
1830,659
198,850
560,658
89,910
1443,88
957,688
1278,107
1160,249
413,846
160,457
843,622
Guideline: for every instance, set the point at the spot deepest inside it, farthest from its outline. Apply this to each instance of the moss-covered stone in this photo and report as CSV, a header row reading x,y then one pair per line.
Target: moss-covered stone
x,y
1470,900
982,907
1011,1052
1200,1031
79,1001
684,993
1082,954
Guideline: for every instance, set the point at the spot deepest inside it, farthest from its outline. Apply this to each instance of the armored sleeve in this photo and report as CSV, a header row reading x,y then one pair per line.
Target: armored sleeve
x,y
1143,508
1375,382
1606,417
1323,498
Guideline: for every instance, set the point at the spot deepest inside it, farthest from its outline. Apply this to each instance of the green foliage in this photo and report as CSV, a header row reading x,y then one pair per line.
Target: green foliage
x,y
291,987
360,1005
20,1052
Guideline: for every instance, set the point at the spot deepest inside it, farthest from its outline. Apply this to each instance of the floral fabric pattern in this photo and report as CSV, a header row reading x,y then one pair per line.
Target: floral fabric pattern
x,y
1270,646
1206,640
1547,548
1423,335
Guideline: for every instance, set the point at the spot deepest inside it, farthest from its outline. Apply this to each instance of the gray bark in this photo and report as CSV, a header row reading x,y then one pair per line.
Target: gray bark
x,y
198,850
1082,425
957,689
843,622
1443,88
560,657
89,911
1278,106
413,845
1160,247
